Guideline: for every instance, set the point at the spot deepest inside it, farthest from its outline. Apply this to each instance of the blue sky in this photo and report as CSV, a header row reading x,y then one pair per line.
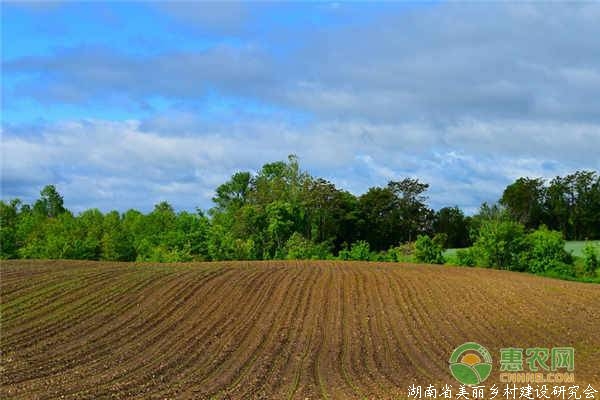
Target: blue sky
x,y
122,105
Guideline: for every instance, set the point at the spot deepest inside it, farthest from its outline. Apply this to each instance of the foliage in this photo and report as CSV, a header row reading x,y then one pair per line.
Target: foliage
x,y
524,201
359,251
404,252
504,245
576,198
546,251
452,222
569,204
394,214
499,244
9,220
441,240
428,250
51,203
487,213
466,257
234,193
590,259
299,248
282,212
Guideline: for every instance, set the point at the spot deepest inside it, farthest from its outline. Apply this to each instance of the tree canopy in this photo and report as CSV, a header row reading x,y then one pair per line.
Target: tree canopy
x,y
282,211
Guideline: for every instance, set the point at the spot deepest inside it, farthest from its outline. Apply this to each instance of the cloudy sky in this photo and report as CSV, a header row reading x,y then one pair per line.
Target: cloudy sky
x,y
121,105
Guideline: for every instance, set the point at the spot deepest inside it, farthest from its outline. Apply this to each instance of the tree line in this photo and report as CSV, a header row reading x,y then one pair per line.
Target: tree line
x,y
283,212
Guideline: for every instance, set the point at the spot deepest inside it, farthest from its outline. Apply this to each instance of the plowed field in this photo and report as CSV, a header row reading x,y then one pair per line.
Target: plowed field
x,y
285,330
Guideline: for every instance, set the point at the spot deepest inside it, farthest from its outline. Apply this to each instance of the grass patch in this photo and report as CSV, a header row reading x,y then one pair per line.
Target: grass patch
x,y
575,247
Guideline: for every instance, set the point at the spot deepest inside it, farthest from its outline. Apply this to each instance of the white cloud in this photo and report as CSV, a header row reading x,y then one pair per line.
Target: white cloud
x,y
466,97
118,165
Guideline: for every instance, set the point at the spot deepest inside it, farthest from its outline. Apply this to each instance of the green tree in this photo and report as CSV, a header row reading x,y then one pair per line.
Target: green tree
x,y
280,220
573,204
466,257
586,210
116,243
9,220
487,213
590,259
379,222
452,222
221,243
359,251
30,231
299,248
394,214
90,229
428,251
50,203
499,244
331,214
193,230
546,252
415,216
57,238
524,201
234,193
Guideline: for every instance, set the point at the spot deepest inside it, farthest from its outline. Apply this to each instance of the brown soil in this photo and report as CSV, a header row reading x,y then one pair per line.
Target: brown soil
x,y
282,330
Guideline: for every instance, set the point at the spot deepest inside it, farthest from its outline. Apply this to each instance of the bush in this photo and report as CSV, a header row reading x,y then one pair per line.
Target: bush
x,y
428,251
383,256
160,253
298,247
223,246
244,249
359,251
466,257
402,253
590,259
546,251
500,244
441,239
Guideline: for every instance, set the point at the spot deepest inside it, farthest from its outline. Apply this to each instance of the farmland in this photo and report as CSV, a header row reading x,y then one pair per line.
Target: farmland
x,y
273,329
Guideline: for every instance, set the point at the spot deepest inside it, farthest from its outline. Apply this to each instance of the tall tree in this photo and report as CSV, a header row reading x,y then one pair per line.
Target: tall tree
x,y
524,201
394,214
234,193
116,243
416,216
9,219
331,213
452,222
573,203
50,202
379,222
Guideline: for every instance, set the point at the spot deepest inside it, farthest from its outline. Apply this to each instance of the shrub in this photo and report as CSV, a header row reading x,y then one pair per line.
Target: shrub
x,y
546,251
298,247
402,253
441,239
384,256
466,257
428,251
590,259
161,253
359,251
244,249
500,244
